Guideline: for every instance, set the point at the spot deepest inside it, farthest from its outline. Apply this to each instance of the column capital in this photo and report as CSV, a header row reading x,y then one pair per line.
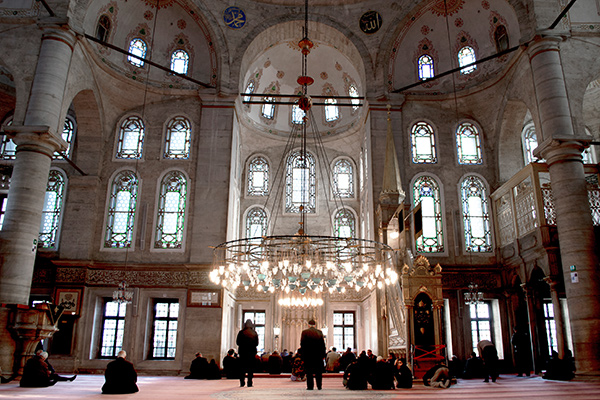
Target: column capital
x,y
556,150
553,282
58,29
37,138
543,43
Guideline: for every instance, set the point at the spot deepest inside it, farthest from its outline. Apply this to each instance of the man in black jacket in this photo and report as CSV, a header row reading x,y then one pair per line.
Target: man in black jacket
x,y
120,376
247,341
312,345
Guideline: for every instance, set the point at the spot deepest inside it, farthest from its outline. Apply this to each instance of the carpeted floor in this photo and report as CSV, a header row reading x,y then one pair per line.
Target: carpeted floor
x,y
268,388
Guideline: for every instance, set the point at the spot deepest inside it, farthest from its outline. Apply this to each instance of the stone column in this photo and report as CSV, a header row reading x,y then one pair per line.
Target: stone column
x,y
37,140
562,148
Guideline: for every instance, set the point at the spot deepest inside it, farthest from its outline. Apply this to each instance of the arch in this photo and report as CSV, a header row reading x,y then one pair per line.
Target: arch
x,y
511,125
89,132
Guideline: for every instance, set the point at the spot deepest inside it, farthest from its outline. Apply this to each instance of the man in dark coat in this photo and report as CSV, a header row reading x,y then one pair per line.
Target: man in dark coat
x,y
198,368
489,355
312,345
230,365
36,372
275,363
120,376
247,341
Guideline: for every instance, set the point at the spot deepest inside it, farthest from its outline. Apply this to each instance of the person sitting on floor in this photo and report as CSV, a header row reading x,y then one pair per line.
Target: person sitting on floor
x,y
198,368
356,374
120,376
275,363
214,372
403,374
53,374
230,365
36,372
382,375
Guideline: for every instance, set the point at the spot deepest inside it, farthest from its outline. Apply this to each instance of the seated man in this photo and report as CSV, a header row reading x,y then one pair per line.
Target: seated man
x,y
403,374
198,368
230,365
382,376
356,375
36,372
120,376
53,375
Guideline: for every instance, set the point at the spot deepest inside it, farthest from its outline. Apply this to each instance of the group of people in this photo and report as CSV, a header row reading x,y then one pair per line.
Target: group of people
x,y
309,363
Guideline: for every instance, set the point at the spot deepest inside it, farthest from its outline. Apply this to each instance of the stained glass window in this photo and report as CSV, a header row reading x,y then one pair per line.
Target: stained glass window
x,y
256,223
344,223
121,211
113,326
529,141
68,135
52,211
103,28
179,61
138,48
3,201
423,144
164,336
476,215
258,177
589,155
131,138
268,109
501,38
425,67
466,56
301,186
8,148
343,179
353,92
171,211
332,111
426,190
468,144
481,323
178,139
344,328
297,115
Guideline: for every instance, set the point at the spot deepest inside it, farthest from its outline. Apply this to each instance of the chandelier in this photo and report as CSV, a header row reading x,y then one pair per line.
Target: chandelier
x,y
300,302
473,296
123,294
302,262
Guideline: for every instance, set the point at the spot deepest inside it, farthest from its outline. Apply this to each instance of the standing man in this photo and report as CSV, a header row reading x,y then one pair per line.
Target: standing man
x,y
247,341
120,376
312,346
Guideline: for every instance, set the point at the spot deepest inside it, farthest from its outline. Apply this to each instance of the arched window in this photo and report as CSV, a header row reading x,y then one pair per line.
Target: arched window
x,y
300,183
343,179
529,142
589,156
8,148
120,219
68,135
250,87
425,67
466,56
468,144
103,28
344,224
258,177
268,109
52,211
179,61
426,190
476,215
501,38
170,217
353,92
131,138
423,144
138,48
256,223
332,111
177,139
297,115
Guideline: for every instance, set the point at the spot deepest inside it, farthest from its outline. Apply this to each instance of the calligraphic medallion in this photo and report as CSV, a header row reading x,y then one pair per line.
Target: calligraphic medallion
x,y
370,22
234,17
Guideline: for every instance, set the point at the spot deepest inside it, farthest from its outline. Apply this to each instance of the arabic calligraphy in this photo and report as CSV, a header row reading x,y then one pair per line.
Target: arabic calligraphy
x,y
370,22
234,17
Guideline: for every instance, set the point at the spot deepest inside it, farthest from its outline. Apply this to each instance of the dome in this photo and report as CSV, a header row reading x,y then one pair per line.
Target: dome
x,y
275,69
